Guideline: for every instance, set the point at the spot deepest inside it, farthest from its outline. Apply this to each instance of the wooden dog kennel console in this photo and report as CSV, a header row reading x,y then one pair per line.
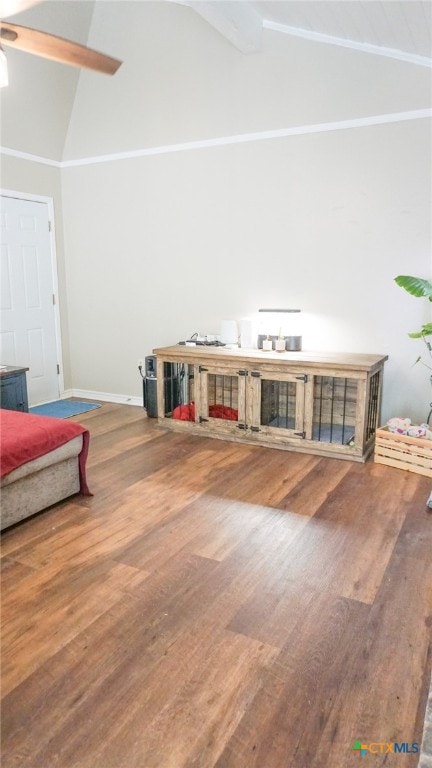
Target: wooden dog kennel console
x,y
321,403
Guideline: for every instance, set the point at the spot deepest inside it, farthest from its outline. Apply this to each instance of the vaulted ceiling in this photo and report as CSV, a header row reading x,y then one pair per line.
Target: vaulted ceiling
x,y
379,26
389,27
402,26
163,51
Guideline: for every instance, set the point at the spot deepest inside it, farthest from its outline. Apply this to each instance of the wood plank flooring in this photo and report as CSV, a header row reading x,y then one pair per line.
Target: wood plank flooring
x,y
215,605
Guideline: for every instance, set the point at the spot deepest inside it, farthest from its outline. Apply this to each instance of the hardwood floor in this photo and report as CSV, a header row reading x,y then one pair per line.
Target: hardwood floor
x,y
216,605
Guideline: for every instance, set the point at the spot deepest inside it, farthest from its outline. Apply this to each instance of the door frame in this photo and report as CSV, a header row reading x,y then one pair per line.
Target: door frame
x,y
49,202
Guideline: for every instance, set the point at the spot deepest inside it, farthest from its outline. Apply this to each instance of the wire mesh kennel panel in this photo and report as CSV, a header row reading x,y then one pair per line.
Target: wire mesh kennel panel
x,y
278,404
220,394
373,405
180,392
334,409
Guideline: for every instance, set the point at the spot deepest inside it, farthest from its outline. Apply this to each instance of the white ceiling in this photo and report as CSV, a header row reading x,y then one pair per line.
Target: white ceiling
x,y
396,28
172,53
403,25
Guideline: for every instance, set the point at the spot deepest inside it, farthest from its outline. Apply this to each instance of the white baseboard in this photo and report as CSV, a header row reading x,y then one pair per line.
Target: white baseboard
x,y
106,397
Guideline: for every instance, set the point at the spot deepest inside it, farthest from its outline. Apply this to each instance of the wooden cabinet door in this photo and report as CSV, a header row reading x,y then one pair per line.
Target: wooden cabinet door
x,y
276,404
222,398
336,415
13,393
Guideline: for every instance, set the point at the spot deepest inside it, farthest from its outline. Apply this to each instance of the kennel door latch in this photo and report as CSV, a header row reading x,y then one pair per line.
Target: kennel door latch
x,y
302,378
300,434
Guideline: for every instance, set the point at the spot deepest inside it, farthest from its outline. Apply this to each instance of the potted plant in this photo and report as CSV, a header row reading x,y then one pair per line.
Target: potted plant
x,y
421,288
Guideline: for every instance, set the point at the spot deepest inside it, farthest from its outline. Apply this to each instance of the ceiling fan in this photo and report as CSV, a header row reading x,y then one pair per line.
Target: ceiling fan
x,y
50,46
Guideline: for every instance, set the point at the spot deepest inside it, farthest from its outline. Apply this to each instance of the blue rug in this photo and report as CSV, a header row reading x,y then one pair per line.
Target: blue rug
x,y
62,409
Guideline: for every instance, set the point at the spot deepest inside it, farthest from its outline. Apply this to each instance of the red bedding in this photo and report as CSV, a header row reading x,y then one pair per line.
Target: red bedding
x,y
25,437
187,412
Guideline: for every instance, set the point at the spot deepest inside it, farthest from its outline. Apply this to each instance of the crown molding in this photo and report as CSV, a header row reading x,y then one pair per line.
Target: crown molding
x,y
302,130
28,156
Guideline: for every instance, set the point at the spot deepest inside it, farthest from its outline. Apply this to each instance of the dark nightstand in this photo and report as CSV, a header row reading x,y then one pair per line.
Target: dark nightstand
x,y
13,388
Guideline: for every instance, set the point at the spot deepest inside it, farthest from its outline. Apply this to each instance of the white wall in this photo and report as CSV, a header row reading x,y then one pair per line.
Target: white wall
x,y
160,247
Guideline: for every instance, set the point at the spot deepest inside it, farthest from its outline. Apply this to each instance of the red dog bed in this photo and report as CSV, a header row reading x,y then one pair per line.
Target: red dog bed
x,y
187,412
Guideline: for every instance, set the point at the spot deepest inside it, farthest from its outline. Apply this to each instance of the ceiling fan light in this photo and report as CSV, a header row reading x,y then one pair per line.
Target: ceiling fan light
x,y
4,78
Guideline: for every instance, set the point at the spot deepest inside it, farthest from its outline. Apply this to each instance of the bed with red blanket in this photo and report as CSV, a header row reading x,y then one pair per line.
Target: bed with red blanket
x,y
43,461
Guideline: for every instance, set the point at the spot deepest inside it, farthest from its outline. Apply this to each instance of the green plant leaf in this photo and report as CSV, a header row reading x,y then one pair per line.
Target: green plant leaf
x,y
416,286
425,331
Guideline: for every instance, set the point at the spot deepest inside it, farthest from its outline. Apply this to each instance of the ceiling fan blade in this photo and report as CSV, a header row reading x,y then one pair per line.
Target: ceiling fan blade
x,y
11,7
56,48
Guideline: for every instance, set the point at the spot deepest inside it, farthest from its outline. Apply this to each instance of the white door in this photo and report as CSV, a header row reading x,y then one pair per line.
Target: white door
x,y
28,323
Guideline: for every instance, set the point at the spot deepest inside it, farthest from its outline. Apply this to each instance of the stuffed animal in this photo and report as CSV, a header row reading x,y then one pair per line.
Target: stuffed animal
x,y
420,431
403,426
399,425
